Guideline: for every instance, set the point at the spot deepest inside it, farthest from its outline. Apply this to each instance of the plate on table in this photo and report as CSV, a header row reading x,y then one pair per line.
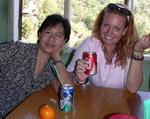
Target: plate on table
x,y
122,116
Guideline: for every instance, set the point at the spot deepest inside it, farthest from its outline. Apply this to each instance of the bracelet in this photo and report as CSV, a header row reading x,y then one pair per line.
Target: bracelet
x,y
77,80
57,61
137,55
137,58
137,50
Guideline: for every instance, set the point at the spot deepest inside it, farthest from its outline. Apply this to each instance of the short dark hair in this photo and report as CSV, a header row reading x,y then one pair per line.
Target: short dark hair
x,y
53,20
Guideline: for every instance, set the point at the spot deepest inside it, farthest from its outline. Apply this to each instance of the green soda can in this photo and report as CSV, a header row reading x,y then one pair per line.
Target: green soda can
x,y
66,98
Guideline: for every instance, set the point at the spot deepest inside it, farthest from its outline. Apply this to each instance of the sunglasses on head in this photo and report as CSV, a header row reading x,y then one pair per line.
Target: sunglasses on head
x,y
119,7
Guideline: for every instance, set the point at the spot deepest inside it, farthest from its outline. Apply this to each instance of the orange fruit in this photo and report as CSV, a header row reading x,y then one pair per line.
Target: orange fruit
x,y
46,112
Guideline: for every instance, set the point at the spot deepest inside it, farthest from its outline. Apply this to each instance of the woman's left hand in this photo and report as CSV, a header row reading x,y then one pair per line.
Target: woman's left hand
x,y
143,43
56,56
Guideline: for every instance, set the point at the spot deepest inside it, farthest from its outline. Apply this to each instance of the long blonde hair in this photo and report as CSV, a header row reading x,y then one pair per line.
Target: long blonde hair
x,y
125,45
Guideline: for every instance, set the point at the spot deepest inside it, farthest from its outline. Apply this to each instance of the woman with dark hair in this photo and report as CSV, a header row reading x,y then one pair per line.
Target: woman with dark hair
x,y
26,68
119,51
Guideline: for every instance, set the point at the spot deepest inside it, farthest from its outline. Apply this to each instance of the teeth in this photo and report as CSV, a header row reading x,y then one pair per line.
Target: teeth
x,y
49,45
108,38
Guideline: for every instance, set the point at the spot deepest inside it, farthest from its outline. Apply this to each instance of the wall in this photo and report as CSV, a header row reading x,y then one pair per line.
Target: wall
x,y
146,83
4,21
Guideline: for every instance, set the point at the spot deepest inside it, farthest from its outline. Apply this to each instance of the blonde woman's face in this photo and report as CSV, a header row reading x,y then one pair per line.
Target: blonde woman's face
x,y
112,28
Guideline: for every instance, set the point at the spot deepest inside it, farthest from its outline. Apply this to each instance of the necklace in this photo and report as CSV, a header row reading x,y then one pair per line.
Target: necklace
x,y
108,65
108,57
108,54
107,72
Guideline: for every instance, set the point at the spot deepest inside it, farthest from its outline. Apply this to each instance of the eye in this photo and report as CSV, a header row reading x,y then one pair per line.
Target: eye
x,y
117,29
60,35
46,31
105,25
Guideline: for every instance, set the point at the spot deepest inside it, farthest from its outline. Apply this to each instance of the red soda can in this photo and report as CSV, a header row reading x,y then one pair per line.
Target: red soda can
x,y
91,62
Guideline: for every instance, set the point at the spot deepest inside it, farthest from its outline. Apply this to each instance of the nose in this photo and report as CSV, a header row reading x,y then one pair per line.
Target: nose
x,y
52,37
110,31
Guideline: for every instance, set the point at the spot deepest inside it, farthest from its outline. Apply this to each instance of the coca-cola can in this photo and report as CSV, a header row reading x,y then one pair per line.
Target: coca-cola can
x,y
91,62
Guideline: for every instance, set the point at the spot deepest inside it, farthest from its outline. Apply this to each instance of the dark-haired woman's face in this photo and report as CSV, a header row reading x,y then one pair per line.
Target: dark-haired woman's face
x,y
52,39
112,28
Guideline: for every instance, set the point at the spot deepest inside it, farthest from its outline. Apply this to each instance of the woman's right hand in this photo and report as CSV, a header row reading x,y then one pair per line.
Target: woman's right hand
x,y
80,69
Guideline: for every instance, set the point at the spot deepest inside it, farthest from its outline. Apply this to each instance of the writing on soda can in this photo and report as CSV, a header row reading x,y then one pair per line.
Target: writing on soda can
x,y
91,62
66,98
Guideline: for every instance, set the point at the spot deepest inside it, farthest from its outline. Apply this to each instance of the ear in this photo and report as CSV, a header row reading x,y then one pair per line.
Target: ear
x,y
39,36
65,41
124,32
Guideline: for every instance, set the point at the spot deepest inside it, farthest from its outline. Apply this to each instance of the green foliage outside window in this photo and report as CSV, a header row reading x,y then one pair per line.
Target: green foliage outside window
x,y
83,14
26,27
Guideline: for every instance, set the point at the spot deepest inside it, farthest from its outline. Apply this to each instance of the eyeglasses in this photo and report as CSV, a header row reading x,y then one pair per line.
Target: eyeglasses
x,y
55,35
120,8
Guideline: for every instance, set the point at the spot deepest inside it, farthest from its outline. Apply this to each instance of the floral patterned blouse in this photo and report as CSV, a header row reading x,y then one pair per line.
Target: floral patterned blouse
x,y
17,80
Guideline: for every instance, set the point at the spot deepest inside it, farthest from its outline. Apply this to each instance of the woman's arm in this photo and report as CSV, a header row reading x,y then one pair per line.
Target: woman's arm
x,y
135,75
62,72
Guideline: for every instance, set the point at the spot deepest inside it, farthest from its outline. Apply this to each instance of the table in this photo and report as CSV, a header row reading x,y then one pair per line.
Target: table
x,y
90,102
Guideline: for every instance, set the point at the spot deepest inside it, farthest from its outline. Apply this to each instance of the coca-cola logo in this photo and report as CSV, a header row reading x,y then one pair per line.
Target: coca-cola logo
x,y
89,63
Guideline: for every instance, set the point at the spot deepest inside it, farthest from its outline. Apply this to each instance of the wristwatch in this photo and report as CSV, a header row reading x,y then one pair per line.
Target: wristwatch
x,y
77,80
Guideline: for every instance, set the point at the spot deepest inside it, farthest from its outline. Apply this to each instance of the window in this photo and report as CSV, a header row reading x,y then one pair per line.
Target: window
x,y
142,18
